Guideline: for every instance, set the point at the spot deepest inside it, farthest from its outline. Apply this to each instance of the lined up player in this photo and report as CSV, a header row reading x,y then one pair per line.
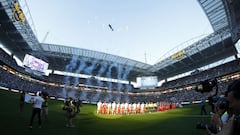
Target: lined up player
x,y
125,107
114,109
132,108
120,108
99,106
109,109
103,108
166,106
138,108
142,108
129,110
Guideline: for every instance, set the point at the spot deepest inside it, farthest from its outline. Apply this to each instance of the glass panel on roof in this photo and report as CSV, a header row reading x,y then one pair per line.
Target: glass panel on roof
x,y
129,60
45,48
132,63
75,51
121,60
220,22
138,64
61,49
214,9
8,11
110,58
99,55
91,54
220,19
226,36
17,24
49,48
71,50
202,1
213,4
206,2
83,52
54,48
4,3
64,49
24,36
219,14
115,58
88,53
94,55
80,51
220,26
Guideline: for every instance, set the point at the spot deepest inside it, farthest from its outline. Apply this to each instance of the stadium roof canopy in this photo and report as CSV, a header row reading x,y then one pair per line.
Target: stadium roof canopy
x,y
215,47
60,56
18,37
215,11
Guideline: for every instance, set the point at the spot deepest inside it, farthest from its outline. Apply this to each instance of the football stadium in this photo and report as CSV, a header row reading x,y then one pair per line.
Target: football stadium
x,y
53,88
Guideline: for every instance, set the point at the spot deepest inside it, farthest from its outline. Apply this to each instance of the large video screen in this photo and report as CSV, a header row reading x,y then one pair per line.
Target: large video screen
x,y
34,63
147,82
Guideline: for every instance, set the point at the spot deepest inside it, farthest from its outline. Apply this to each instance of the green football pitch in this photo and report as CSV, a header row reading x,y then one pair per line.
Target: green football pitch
x,y
180,121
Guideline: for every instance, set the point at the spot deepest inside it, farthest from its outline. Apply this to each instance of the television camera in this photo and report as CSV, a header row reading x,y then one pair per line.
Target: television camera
x,y
206,86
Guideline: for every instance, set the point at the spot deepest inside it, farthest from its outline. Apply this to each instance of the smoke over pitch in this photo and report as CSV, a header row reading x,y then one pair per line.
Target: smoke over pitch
x,y
94,71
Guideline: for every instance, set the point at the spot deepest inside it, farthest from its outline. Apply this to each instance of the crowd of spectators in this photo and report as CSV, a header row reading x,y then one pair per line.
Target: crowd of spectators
x,y
227,68
15,77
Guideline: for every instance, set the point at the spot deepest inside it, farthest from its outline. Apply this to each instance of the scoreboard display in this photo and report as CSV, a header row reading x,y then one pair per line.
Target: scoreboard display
x,y
34,63
147,82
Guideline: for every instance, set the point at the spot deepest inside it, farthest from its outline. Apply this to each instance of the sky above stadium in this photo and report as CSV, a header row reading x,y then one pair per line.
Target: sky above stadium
x,y
143,30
